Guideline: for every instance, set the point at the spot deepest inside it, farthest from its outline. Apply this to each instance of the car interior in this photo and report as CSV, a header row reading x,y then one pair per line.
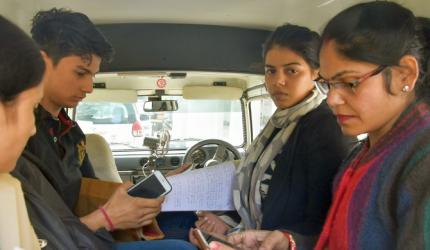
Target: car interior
x,y
186,84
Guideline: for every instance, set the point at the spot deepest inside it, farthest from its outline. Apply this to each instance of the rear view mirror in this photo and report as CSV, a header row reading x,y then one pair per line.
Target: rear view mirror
x,y
144,117
163,105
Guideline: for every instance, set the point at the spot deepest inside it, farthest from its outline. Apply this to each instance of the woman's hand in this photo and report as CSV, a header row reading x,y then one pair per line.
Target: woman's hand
x,y
218,246
195,241
211,223
191,237
258,239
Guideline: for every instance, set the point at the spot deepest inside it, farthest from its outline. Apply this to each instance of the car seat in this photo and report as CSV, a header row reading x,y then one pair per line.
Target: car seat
x,y
101,158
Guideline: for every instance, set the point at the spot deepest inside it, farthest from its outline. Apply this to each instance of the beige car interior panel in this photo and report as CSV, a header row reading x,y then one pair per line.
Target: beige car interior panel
x,y
212,92
112,95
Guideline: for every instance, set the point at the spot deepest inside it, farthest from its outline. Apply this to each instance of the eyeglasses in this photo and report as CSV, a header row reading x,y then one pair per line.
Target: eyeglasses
x,y
324,86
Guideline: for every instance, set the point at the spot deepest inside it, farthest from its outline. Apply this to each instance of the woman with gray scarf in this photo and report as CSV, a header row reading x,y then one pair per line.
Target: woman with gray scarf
x,y
284,181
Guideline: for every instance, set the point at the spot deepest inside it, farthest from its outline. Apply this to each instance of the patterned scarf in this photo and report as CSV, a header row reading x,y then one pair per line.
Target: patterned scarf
x,y
260,154
382,197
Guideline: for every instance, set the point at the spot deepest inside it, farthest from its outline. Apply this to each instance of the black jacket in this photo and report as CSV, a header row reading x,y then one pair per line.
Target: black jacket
x,y
59,148
59,144
51,218
299,194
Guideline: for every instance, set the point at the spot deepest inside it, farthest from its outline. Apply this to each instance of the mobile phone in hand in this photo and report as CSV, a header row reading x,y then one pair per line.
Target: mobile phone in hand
x,y
153,186
201,240
204,239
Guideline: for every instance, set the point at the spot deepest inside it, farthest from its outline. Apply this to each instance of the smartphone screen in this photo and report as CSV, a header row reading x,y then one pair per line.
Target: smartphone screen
x,y
151,187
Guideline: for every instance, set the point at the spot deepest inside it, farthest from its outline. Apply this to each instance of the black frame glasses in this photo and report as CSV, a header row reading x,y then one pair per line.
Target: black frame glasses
x,y
324,86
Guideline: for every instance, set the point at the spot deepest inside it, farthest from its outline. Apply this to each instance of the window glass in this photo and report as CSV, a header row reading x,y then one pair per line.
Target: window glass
x,y
124,125
261,110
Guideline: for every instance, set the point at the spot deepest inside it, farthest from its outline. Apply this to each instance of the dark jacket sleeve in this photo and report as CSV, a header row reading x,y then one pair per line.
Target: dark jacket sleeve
x,y
300,190
50,216
325,147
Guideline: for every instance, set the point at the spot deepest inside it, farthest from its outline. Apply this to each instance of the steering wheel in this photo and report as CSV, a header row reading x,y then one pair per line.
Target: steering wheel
x,y
200,156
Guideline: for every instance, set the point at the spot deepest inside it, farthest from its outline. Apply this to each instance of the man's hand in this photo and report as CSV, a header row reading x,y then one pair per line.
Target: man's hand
x,y
124,211
211,223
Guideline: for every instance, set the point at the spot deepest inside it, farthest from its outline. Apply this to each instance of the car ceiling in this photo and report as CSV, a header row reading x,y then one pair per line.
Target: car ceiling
x,y
259,14
263,14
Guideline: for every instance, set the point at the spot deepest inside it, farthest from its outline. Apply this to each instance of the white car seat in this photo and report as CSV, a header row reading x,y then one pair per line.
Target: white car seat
x,y
101,158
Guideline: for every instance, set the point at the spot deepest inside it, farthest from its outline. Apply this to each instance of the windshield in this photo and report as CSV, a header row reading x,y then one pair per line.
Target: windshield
x,y
261,111
125,125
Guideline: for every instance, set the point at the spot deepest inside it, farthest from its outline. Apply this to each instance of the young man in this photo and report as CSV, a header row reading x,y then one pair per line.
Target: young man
x,y
73,49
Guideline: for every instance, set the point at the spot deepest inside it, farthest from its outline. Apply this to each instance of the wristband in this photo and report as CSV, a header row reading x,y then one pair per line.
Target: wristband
x,y
109,221
291,241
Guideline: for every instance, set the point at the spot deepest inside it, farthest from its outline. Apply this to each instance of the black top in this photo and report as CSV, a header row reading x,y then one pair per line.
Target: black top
x,y
59,144
299,194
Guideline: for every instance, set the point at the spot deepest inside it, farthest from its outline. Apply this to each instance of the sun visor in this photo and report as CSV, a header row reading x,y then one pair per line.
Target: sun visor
x,y
112,95
212,92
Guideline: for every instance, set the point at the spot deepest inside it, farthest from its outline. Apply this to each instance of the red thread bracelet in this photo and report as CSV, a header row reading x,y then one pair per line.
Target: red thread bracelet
x,y
291,241
109,221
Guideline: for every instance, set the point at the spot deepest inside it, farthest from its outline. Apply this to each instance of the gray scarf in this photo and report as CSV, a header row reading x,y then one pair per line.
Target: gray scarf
x,y
246,195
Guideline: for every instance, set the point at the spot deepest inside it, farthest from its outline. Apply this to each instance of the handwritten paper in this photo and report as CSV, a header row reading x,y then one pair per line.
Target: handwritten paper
x,y
209,189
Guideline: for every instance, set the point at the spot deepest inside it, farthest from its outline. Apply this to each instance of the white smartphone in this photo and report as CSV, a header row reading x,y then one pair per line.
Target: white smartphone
x,y
153,186
204,239
201,240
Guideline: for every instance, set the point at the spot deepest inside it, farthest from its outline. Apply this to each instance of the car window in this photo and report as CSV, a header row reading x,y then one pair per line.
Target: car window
x,y
106,113
124,125
261,109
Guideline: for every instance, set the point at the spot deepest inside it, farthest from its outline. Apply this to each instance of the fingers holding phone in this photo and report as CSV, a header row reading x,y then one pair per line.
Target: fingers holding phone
x,y
196,237
126,212
214,245
133,206
203,240
249,238
260,239
276,240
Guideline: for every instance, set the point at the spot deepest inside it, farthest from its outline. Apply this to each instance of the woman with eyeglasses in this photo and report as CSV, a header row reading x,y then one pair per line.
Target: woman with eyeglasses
x,y
284,181
375,69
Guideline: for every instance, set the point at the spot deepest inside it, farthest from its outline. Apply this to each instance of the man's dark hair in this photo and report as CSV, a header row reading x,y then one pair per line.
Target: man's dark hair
x,y
301,40
62,33
21,64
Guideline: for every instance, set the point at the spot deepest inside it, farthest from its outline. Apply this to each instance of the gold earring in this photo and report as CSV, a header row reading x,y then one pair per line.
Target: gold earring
x,y
405,88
